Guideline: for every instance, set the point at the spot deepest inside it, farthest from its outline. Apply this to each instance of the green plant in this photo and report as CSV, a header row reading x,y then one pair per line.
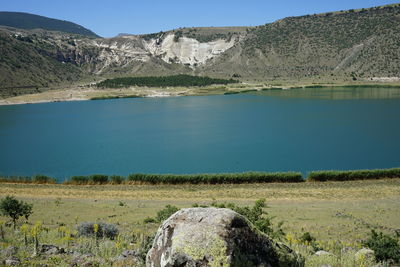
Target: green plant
x,y
322,176
386,248
309,240
58,201
79,179
36,230
220,178
98,179
2,232
10,206
43,179
257,216
149,220
116,179
165,213
98,230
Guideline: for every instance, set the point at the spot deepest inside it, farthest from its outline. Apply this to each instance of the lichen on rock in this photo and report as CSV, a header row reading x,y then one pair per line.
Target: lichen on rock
x,y
215,237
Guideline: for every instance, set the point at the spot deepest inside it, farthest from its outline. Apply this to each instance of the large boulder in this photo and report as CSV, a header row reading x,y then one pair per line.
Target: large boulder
x,y
216,237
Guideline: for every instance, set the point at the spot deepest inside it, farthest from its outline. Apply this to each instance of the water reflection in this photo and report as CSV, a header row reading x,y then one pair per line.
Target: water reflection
x,y
336,93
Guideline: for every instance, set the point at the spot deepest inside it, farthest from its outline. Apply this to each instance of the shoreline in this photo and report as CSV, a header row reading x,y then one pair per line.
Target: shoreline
x,y
79,94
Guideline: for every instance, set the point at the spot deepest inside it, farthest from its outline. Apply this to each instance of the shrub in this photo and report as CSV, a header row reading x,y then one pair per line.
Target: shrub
x,y
16,179
257,216
79,180
165,213
307,238
353,175
104,230
117,179
11,207
149,220
386,248
222,178
98,179
43,179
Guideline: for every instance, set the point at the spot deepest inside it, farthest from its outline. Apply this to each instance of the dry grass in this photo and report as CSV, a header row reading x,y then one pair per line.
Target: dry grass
x,y
331,211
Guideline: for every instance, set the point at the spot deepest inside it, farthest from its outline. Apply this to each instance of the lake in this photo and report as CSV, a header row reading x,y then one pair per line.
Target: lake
x,y
297,130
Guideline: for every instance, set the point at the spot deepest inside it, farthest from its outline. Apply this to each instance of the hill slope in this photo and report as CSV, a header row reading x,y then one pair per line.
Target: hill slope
x,y
361,43
30,21
24,67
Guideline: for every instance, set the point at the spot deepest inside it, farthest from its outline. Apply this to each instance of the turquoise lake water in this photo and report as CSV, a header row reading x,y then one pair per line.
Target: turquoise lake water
x,y
303,130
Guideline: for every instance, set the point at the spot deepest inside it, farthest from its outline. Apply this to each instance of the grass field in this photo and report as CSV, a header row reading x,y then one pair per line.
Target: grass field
x,y
337,214
331,211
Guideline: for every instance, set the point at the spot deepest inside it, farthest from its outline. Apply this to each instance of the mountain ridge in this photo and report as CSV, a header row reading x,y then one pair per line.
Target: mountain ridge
x,y
28,21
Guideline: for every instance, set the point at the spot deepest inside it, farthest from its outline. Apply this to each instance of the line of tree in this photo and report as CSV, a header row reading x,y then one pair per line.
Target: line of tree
x,y
163,81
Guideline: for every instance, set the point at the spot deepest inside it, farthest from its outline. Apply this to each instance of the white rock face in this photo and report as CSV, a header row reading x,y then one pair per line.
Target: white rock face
x,y
119,51
187,50
125,51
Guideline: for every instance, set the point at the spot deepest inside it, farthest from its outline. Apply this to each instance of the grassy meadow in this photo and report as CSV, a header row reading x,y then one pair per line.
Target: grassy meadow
x,y
337,214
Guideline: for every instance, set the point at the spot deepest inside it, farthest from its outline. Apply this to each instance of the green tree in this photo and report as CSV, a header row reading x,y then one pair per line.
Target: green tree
x,y
12,207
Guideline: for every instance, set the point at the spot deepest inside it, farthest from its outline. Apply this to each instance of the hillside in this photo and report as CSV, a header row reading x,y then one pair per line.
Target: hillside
x,y
361,43
24,67
30,21
353,45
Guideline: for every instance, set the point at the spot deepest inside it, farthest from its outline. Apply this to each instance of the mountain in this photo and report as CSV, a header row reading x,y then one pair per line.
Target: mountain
x,y
331,47
30,21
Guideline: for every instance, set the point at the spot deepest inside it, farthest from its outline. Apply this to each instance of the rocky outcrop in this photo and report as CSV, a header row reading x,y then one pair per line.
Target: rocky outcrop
x,y
186,50
215,237
365,253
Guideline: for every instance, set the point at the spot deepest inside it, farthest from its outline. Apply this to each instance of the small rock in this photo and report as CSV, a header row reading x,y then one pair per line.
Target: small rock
x,y
51,249
326,265
365,253
9,251
79,259
12,262
323,253
131,255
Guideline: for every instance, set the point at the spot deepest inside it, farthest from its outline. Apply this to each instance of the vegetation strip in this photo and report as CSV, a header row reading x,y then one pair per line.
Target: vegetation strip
x,y
220,178
322,176
163,81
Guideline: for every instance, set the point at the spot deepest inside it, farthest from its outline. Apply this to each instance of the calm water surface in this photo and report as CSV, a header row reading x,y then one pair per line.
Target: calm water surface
x,y
266,131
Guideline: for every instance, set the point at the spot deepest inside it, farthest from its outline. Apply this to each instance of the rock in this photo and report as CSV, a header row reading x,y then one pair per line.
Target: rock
x,y
12,261
51,249
365,253
326,265
79,259
323,253
9,251
215,237
129,254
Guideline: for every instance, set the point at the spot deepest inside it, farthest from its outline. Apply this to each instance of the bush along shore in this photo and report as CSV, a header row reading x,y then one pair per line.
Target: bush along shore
x,y
222,178
322,176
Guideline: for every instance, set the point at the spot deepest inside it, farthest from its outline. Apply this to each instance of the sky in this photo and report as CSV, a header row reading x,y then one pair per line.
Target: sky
x,y
111,17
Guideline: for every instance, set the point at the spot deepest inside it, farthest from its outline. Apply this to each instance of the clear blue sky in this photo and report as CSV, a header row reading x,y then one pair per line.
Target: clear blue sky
x,y
110,17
